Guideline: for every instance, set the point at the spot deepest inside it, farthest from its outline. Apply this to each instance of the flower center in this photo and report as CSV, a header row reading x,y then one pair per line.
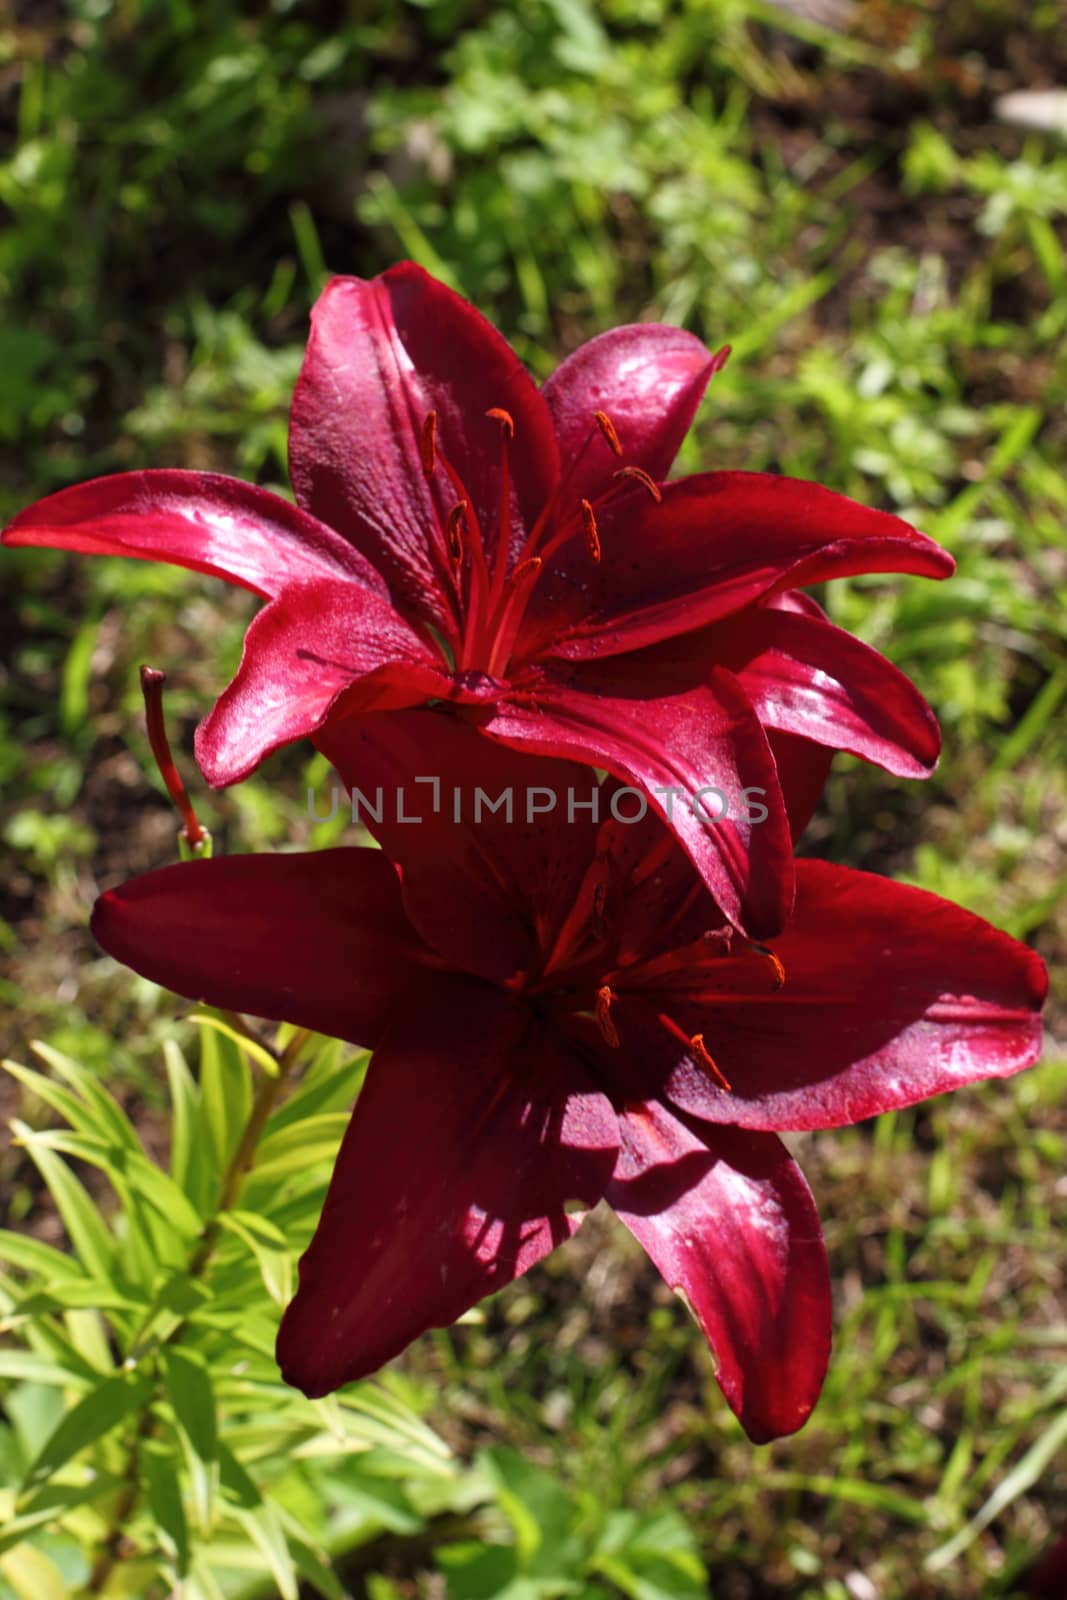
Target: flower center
x,y
693,1042
591,964
491,596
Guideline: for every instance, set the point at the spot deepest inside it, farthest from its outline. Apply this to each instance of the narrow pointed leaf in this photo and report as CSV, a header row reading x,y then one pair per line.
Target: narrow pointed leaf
x,y
91,1240
225,1094
165,1499
96,1414
191,1162
189,1389
109,1114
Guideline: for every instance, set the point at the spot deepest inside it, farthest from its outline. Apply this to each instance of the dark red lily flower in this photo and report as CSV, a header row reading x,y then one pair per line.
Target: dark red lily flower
x,y
560,1013
460,536
1047,1580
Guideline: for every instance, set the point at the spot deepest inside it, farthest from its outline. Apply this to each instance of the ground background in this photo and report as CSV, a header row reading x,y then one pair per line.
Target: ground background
x,y
838,199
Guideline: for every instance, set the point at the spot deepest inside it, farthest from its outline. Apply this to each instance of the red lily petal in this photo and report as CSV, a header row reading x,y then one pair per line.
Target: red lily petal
x,y
383,354
803,769
717,542
654,899
320,939
520,875
199,520
804,676
468,1142
318,641
732,1227
704,737
649,380
797,601
891,995
1047,1579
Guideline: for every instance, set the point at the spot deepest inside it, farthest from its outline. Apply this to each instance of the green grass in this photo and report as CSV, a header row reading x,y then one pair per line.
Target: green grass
x,y
889,266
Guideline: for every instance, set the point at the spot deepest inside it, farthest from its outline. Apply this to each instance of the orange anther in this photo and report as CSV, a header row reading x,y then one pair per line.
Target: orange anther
x,y
639,475
454,530
775,965
589,528
498,414
428,443
607,428
699,1049
604,997
525,571
778,969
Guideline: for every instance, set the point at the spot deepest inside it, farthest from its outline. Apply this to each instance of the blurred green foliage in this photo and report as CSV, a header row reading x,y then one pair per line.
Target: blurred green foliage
x,y
888,263
149,1441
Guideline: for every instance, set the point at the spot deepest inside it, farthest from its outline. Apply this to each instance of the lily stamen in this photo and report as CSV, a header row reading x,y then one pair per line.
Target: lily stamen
x,y
604,997
473,582
602,423
607,428
704,1059
503,531
589,528
776,965
516,588
639,475
694,1043
586,508
454,531
524,571
498,414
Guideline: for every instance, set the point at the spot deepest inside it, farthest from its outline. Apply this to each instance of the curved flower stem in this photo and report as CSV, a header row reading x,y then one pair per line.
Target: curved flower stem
x,y
267,1095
